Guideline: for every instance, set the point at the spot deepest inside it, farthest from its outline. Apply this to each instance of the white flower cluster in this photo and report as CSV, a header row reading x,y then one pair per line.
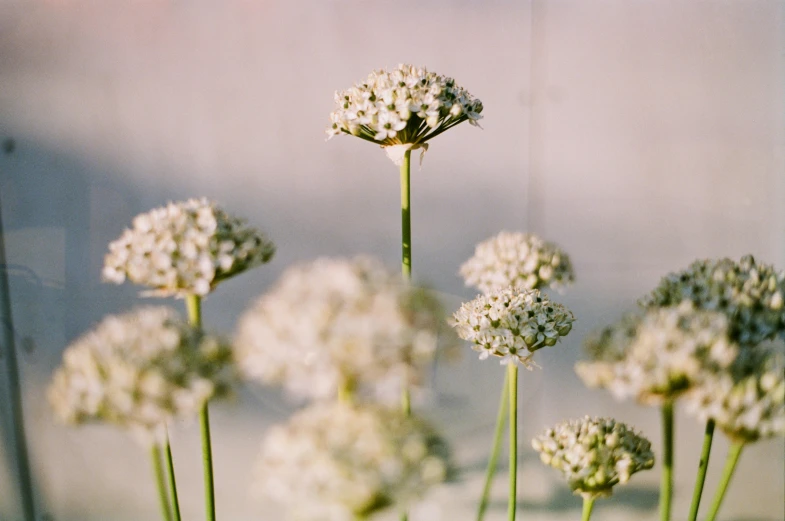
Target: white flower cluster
x,y
594,454
339,462
659,355
139,370
750,294
748,401
407,105
521,260
512,324
337,324
185,248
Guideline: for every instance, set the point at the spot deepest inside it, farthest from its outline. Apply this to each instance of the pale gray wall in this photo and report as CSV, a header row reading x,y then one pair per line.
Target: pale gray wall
x,y
638,135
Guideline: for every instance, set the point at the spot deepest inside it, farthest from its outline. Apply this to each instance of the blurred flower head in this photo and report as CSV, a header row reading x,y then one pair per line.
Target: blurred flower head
x,y
185,248
341,323
512,324
658,355
594,454
339,462
747,401
139,370
748,293
405,106
520,260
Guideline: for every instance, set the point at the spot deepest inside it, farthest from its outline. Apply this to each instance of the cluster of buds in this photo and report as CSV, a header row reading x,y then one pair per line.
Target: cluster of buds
x,y
658,355
407,105
594,454
340,462
520,260
512,324
749,294
185,248
140,370
334,324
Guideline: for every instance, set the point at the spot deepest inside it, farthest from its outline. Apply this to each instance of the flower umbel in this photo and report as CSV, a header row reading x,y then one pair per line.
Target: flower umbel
x,y
185,248
139,370
747,400
594,454
512,324
750,294
658,355
339,462
405,106
337,323
521,260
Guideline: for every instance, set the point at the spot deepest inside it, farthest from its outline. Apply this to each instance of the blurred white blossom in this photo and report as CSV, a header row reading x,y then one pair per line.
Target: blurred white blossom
x,y
512,324
750,294
341,462
402,108
139,370
658,355
521,260
334,324
185,248
747,401
594,454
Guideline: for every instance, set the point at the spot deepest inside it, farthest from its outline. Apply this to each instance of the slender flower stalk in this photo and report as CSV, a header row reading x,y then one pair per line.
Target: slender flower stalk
x,y
158,470
734,452
193,304
172,481
519,260
501,419
588,505
703,466
406,216
666,483
512,384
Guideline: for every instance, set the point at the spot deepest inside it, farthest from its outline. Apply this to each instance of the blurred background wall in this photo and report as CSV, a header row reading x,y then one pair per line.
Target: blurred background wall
x,y
637,135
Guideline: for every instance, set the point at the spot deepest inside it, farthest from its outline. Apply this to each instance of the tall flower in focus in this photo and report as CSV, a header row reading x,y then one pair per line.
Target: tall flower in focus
x,y
338,325
594,454
185,248
343,462
402,109
140,370
511,324
521,260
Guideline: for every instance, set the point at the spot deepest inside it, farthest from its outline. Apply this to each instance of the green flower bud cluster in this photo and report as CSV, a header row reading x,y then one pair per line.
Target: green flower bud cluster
x,y
749,294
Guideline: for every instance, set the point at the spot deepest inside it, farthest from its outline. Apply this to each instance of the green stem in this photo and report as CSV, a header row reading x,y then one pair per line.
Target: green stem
x,y
666,483
588,505
172,482
730,465
703,466
194,305
512,384
501,417
155,455
406,256
406,217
